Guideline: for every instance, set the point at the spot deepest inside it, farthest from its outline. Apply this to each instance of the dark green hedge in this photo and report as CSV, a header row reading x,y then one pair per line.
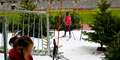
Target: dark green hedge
x,y
54,21
44,24
75,18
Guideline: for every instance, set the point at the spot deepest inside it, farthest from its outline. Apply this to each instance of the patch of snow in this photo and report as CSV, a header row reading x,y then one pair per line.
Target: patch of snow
x,y
73,49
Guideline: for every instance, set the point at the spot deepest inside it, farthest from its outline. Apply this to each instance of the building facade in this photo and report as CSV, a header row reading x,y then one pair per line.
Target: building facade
x,y
55,4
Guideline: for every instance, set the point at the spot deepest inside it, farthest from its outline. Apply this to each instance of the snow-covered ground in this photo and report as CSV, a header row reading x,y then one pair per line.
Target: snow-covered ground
x,y
73,49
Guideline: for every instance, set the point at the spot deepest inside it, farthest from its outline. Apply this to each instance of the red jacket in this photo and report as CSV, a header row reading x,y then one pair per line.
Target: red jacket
x,y
67,20
14,55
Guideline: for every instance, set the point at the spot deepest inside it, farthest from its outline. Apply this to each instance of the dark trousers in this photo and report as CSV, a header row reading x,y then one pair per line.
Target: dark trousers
x,y
67,28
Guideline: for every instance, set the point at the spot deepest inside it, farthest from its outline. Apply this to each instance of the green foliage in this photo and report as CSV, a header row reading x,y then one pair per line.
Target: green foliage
x,y
103,25
53,22
31,24
56,22
2,49
113,50
75,19
29,5
103,6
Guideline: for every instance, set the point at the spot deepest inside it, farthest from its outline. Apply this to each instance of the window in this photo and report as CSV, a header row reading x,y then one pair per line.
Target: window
x,y
2,3
13,7
14,1
75,1
9,1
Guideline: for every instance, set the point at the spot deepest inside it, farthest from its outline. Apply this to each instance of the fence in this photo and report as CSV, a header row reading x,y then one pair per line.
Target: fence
x,y
22,23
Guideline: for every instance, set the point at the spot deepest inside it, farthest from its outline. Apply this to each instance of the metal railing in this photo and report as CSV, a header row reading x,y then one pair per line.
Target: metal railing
x,y
6,17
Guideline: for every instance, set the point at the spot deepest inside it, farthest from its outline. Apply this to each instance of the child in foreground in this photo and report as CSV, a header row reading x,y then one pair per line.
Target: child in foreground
x,y
22,48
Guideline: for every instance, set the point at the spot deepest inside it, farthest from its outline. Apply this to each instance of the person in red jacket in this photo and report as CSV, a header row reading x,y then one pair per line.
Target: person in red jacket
x,y
68,24
22,48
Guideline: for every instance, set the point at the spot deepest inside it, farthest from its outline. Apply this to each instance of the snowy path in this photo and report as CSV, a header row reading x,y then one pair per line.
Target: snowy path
x,y
79,50
73,49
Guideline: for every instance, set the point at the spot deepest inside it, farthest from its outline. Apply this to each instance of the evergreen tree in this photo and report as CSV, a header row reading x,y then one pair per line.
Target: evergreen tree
x,y
113,50
103,25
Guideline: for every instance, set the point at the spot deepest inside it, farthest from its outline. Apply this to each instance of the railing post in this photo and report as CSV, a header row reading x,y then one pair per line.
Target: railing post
x,y
13,25
29,24
23,24
42,33
4,32
39,33
47,15
8,19
18,21
34,27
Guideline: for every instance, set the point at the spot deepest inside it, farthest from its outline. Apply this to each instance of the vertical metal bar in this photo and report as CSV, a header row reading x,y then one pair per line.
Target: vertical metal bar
x,y
34,28
42,33
2,44
47,15
8,24
4,37
23,24
7,28
18,21
29,24
82,21
54,27
39,33
13,24
8,19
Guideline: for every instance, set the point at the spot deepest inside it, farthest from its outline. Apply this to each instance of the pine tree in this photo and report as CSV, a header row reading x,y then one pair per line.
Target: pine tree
x,y
103,25
113,50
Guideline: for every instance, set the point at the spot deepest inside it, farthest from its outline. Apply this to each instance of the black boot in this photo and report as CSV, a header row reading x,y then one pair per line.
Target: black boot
x,y
63,35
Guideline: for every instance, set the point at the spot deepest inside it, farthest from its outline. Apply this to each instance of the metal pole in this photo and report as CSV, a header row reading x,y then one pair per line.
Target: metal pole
x,y
48,34
8,20
13,24
36,12
23,24
82,23
73,35
81,30
2,31
34,28
7,28
18,21
29,24
39,33
42,33
4,36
